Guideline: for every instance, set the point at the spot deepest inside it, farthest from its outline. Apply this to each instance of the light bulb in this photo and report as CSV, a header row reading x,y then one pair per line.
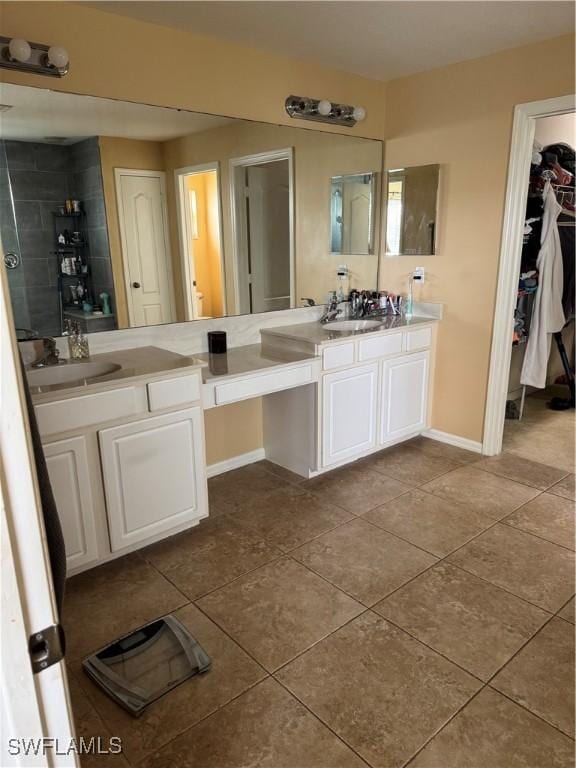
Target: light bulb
x,y
58,56
324,107
359,114
19,49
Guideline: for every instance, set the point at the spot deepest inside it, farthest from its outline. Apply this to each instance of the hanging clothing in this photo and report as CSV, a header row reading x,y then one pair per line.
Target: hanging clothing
x,y
548,315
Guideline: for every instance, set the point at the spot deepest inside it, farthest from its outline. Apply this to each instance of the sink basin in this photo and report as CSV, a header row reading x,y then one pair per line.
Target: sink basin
x,y
352,325
68,373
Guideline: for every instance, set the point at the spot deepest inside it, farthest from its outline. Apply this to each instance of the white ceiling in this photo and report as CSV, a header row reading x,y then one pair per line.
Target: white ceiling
x,y
39,115
381,40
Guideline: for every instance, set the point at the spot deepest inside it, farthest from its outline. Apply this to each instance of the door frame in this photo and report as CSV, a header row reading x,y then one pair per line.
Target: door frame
x,y
186,252
523,131
161,175
33,705
238,219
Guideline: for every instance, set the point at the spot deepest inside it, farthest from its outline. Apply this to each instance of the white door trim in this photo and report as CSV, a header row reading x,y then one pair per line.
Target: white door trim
x,y
237,223
33,706
186,254
161,175
523,130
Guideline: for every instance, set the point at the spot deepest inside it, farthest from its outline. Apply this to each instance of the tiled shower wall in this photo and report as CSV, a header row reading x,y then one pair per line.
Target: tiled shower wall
x,y
38,178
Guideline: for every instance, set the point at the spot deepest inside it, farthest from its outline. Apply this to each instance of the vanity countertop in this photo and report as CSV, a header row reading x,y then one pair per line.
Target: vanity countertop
x,y
247,359
316,333
138,362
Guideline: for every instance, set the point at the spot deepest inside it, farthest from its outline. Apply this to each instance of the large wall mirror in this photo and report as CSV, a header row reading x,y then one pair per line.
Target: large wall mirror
x,y
115,214
411,210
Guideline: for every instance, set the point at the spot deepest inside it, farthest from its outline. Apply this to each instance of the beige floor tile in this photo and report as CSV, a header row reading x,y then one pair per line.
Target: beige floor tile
x,y
529,567
209,556
541,676
445,451
483,492
565,488
281,472
232,673
366,562
492,732
266,727
229,490
279,611
435,524
383,692
548,516
356,488
472,622
288,517
89,725
568,612
410,464
106,602
521,470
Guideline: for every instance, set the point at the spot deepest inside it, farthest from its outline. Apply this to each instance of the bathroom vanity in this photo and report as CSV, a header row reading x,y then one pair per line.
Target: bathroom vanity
x,y
125,449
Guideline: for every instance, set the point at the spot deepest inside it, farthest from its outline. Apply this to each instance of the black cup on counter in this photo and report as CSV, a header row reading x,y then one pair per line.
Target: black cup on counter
x,y
217,342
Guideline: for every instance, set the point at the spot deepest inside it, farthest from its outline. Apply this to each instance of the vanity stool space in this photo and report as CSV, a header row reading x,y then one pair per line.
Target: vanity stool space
x,y
125,455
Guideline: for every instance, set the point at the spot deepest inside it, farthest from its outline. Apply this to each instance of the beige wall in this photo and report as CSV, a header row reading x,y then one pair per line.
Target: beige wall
x,y
461,116
317,157
123,153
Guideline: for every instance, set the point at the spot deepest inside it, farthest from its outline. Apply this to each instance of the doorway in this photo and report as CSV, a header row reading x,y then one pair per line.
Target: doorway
x,y
262,223
200,228
143,223
523,416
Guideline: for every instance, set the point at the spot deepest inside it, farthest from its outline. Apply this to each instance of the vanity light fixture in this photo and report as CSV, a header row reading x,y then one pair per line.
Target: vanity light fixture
x,y
19,54
324,111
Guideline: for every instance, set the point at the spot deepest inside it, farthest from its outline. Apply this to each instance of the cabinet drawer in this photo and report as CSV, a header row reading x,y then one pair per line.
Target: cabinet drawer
x,y
253,386
337,356
379,346
170,393
420,339
83,411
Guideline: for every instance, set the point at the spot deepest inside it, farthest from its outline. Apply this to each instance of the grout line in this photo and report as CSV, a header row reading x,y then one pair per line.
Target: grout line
x,y
536,535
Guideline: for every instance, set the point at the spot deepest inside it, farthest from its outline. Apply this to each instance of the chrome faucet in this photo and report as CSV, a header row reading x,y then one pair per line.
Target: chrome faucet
x,y
332,310
51,353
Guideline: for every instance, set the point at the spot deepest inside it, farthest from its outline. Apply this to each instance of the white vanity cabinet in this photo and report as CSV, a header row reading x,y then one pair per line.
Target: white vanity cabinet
x,y
350,400
154,476
70,477
404,396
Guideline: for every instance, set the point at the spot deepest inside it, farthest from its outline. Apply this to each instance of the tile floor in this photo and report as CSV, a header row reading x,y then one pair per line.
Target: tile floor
x,y
415,608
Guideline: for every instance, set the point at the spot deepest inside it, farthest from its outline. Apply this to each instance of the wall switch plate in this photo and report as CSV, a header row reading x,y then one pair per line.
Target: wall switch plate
x,y
419,275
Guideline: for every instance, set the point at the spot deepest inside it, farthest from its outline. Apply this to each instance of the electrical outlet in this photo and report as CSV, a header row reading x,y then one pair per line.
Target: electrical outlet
x,y
419,275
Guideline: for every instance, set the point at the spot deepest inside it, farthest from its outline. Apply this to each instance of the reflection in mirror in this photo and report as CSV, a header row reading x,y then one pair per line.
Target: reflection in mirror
x,y
120,214
352,203
411,211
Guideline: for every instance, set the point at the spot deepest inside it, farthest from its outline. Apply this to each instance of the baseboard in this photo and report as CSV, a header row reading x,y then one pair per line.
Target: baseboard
x,y
459,442
235,462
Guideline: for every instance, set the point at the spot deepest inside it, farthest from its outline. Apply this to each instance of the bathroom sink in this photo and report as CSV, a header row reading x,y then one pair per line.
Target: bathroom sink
x,y
352,325
68,373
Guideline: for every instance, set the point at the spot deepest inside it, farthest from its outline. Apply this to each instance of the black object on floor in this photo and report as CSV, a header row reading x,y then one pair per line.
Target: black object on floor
x,y
141,667
561,403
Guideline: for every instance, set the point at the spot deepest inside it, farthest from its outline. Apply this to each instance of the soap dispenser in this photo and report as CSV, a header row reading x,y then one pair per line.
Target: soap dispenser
x,y
78,343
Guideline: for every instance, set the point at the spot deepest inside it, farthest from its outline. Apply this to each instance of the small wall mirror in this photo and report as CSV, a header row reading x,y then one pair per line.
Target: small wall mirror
x,y
411,210
352,202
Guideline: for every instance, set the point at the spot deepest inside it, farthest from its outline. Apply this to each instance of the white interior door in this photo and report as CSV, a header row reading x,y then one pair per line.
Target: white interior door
x,y
356,216
268,211
145,246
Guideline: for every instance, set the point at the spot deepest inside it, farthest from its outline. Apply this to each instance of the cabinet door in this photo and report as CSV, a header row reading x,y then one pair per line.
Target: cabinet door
x,y
154,476
69,471
404,396
349,413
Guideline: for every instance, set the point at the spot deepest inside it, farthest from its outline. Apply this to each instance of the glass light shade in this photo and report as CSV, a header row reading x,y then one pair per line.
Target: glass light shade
x,y
359,114
19,49
324,107
58,57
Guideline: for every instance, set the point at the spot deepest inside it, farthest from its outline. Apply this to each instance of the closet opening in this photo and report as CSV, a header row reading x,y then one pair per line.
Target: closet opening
x,y
532,414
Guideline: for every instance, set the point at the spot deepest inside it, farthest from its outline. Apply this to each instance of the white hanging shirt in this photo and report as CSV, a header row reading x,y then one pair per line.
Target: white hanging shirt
x,y
547,313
